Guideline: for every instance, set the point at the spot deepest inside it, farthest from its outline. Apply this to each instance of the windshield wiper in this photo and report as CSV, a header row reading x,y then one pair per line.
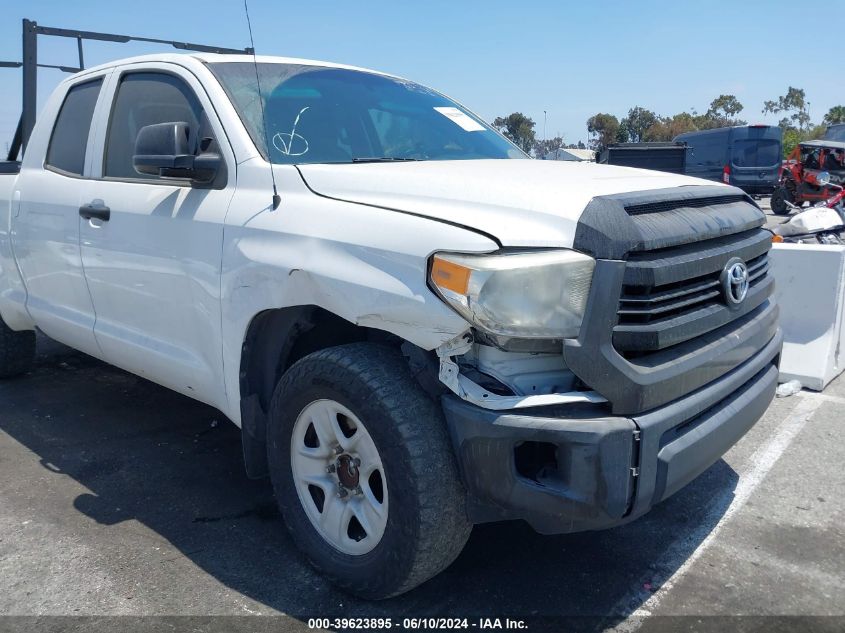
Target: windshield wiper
x,y
382,159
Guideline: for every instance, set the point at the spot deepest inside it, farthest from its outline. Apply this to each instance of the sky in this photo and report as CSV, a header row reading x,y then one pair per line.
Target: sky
x,y
569,59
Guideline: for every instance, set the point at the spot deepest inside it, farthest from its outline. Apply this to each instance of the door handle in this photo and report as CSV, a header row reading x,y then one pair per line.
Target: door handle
x,y
95,210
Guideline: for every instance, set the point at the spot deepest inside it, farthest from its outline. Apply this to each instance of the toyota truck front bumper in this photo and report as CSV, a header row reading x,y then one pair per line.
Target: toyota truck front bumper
x,y
581,468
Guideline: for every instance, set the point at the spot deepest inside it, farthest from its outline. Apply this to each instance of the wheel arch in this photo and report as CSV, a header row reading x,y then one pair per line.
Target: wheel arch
x,y
274,340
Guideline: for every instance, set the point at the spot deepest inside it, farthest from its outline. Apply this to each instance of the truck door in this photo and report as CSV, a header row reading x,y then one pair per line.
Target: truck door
x,y
153,264
45,231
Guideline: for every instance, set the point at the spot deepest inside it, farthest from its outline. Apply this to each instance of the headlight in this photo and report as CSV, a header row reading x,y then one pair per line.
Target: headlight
x,y
538,294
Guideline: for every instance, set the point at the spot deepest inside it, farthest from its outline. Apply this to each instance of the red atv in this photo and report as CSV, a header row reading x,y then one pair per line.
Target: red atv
x,y
799,181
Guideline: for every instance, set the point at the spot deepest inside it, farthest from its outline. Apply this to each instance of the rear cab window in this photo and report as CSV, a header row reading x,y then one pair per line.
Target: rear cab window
x,y
69,140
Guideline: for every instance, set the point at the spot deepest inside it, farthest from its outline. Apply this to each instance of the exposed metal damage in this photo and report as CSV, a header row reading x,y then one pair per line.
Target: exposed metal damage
x,y
469,390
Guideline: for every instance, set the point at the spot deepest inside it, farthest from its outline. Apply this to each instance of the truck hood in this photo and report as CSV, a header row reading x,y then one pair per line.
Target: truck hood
x,y
519,202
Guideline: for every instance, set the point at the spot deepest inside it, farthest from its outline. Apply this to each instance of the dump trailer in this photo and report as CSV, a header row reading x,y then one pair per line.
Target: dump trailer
x,y
669,157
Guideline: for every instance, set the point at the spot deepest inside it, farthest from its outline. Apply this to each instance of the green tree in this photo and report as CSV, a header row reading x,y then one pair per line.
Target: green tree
x,y
725,106
603,129
721,113
623,134
638,121
659,131
792,136
794,105
518,128
835,115
544,146
667,128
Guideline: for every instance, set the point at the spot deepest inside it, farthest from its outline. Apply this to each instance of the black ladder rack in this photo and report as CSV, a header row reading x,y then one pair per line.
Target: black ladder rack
x,y
30,66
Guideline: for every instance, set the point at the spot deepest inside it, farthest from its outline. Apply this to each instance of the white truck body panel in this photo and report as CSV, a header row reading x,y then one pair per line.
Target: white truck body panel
x,y
168,289
12,291
520,202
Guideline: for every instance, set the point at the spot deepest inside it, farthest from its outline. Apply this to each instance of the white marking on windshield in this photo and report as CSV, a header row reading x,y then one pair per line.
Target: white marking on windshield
x,y
288,147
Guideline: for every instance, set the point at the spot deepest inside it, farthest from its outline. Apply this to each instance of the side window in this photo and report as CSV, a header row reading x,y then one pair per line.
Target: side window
x,y
707,149
145,99
70,133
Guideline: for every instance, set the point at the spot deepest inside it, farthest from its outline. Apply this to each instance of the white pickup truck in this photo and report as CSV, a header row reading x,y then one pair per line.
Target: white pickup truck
x,y
423,330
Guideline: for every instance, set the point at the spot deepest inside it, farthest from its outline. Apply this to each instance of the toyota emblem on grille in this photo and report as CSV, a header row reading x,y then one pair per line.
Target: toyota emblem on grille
x,y
734,280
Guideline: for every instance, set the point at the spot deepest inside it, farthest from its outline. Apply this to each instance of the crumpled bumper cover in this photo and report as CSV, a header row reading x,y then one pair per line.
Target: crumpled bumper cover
x,y
606,470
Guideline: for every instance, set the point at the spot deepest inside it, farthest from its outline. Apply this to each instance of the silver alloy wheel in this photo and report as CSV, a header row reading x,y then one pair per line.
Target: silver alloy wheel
x,y
339,477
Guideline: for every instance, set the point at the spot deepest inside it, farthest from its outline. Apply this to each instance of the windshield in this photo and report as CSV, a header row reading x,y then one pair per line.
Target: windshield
x,y
316,114
835,132
756,153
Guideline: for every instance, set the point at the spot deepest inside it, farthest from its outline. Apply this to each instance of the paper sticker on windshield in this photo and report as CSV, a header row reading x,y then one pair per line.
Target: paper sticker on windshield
x,y
462,119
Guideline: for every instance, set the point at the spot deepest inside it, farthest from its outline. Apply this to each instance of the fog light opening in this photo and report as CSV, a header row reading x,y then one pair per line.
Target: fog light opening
x,y
536,461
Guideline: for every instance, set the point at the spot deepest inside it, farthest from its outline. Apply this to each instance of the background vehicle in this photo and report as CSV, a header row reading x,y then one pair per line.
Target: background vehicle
x,y
746,156
835,132
824,222
570,153
669,157
799,181
415,328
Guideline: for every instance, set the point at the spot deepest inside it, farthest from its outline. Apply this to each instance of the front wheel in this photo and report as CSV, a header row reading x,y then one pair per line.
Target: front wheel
x,y
780,196
364,472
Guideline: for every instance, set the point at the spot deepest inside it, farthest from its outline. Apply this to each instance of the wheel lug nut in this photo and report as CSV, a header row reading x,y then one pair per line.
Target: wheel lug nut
x,y
342,492
358,490
331,468
356,462
338,449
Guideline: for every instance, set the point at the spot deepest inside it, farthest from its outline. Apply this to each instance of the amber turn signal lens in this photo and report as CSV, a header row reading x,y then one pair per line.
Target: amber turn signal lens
x,y
777,239
450,276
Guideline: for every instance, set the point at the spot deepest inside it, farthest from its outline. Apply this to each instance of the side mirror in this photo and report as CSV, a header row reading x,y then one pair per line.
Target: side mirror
x,y
169,150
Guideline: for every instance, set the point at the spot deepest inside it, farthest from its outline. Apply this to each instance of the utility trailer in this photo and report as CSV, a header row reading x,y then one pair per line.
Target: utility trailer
x,y
668,157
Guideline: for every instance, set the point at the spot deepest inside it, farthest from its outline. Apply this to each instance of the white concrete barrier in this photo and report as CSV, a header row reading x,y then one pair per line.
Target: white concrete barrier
x,y
810,289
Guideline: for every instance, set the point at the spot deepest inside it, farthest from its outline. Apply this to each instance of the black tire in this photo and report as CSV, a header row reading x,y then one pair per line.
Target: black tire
x,y
17,351
780,196
427,525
